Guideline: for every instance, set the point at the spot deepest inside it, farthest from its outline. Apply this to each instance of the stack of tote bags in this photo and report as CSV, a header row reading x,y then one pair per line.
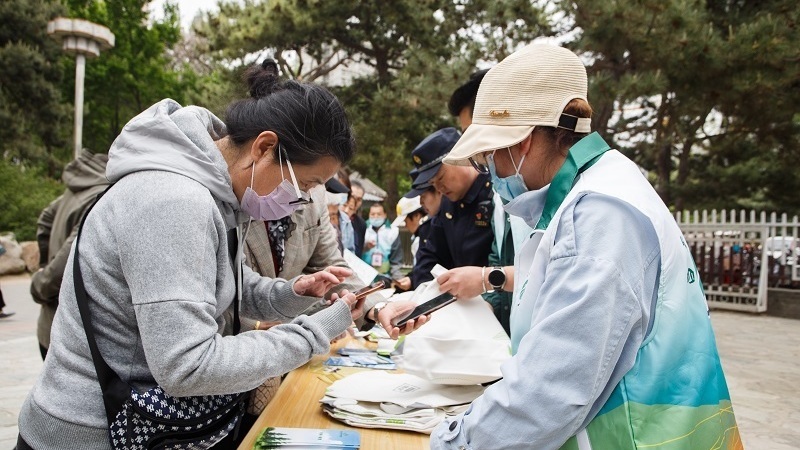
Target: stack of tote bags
x,y
445,364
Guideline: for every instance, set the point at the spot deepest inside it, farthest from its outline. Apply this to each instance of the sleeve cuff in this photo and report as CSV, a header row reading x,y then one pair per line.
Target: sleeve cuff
x,y
297,303
448,435
334,320
364,323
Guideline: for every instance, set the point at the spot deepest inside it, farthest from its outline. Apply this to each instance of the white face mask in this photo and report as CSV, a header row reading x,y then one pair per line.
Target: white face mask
x,y
281,202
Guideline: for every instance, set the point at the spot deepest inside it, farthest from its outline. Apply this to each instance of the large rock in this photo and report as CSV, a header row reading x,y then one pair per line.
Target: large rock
x,y
30,254
11,261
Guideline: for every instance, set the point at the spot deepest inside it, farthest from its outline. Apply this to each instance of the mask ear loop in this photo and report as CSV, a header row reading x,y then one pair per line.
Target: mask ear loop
x,y
250,220
252,174
280,161
517,169
291,173
491,155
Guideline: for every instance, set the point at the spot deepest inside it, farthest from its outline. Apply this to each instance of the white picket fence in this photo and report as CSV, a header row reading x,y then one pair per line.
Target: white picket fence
x,y
729,248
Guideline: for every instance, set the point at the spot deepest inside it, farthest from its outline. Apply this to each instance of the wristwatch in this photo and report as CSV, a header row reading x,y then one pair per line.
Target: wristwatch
x,y
497,279
376,309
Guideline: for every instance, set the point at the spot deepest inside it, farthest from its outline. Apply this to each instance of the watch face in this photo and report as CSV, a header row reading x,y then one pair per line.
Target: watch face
x,y
497,277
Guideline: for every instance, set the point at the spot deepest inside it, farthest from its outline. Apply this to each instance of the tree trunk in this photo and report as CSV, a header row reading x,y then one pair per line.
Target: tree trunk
x,y
663,149
603,116
683,172
382,66
664,169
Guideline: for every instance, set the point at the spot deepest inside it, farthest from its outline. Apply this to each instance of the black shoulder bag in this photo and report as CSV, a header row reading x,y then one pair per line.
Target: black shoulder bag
x,y
154,419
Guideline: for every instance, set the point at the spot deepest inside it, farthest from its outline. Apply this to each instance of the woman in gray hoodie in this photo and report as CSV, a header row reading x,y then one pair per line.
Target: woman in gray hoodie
x,y
154,258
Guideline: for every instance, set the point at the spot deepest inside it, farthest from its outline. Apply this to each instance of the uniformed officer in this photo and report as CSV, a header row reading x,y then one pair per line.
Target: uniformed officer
x,y
461,233
495,281
431,201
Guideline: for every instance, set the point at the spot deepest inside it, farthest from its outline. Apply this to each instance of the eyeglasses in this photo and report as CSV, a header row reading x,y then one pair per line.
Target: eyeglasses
x,y
302,199
482,169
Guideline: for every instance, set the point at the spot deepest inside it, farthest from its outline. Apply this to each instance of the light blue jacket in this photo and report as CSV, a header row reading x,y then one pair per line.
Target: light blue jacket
x,y
595,307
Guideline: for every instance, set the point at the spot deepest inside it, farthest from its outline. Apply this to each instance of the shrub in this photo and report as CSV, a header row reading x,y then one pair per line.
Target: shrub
x,y
23,195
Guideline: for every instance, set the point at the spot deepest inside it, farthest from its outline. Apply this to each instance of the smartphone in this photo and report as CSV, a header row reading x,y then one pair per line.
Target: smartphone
x,y
428,307
365,291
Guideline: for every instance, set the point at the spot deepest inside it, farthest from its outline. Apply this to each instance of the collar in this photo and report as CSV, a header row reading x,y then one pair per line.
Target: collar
x,y
480,183
581,156
528,206
537,208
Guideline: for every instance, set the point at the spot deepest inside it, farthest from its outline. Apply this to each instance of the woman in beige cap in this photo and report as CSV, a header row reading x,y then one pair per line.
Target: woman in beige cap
x,y
612,343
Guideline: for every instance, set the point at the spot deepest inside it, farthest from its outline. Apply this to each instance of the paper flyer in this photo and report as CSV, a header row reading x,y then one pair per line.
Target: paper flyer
x,y
307,438
363,271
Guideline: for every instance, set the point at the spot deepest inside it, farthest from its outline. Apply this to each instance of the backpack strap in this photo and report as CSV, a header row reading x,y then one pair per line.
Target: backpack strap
x,y
115,391
233,251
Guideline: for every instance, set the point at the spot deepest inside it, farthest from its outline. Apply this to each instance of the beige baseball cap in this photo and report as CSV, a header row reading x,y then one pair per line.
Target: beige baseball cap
x,y
530,87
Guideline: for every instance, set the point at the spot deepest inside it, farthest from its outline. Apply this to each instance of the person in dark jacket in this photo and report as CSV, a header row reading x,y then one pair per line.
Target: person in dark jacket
x,y
4,314
58,223
353,207
461,233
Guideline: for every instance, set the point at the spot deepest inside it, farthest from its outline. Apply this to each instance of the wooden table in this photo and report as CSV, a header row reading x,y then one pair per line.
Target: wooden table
x,y
296,404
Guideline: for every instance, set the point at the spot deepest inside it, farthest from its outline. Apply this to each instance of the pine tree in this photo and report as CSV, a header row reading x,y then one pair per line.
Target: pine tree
x,y
35,122
703,94
403,60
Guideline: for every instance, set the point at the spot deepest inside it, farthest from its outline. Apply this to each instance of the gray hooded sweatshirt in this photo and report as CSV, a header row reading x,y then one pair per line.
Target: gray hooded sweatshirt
x,y
154,258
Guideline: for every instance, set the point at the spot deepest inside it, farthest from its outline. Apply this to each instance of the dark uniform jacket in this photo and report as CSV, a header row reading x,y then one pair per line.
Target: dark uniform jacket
x,y
460,235
359,229
424,230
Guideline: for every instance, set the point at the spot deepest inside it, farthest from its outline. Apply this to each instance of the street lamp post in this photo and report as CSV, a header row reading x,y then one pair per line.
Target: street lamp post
x,y
83,39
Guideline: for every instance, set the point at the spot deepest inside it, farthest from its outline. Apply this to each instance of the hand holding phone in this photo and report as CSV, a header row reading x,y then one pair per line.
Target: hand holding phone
x,y
365,291
428,307
355,304
393,311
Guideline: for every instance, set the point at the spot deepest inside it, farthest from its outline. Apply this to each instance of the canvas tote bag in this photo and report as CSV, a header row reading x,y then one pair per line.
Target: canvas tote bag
x,y
462,343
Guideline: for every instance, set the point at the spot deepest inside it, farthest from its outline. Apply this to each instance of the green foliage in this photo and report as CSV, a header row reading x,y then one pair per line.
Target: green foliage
x,y
404,60
36,125
37,91
270,439
703,94
134,74
35,122
26,192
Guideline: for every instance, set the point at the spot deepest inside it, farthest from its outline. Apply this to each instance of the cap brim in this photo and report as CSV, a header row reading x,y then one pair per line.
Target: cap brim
x,y
418,190
399,221
424,177
479,139
336,187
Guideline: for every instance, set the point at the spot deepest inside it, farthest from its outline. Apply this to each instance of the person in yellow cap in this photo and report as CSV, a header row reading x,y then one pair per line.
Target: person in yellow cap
x,y
611,339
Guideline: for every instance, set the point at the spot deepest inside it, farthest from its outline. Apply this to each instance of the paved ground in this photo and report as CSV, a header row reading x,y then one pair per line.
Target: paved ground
x,y
761,357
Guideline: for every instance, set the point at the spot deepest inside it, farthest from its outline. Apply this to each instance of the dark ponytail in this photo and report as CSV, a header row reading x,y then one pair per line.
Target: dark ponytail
x,y
308,119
